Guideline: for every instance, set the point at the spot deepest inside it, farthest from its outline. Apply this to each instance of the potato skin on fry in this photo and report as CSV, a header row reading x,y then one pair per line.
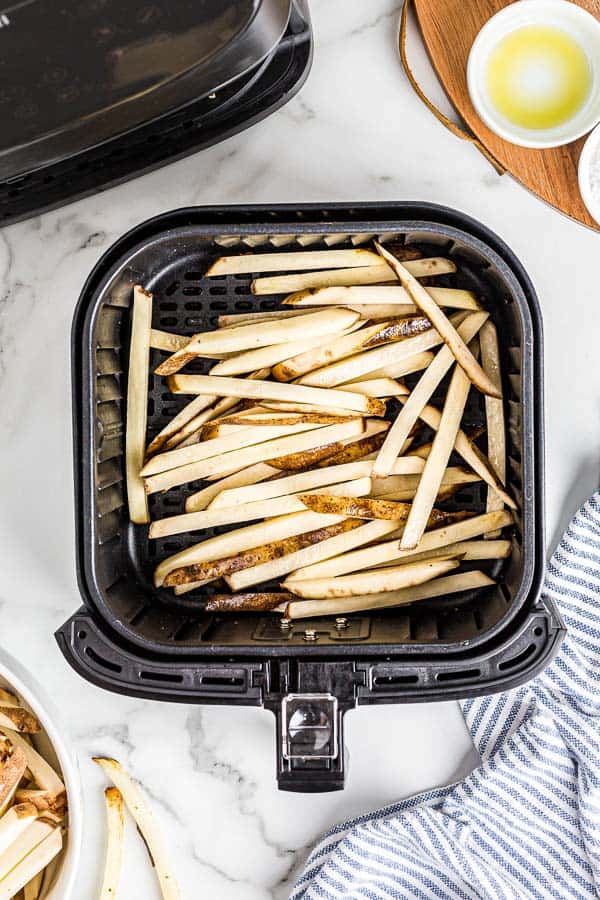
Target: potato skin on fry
x,y
218,567
363,508
262,602
398,329
298,461
355,451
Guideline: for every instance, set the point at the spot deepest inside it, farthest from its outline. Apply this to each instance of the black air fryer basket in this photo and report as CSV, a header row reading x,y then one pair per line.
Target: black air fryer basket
x,y
133,639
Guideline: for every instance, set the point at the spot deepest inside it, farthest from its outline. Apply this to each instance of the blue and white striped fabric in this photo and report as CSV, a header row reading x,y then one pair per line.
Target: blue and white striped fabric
x,y
526,822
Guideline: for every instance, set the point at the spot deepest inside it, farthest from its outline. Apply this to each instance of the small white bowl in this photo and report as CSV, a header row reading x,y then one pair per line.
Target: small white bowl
x,y
14,677
590,148
574,20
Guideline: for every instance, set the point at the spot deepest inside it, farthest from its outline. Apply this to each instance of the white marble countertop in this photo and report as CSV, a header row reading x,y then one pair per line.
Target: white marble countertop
x,y
355,132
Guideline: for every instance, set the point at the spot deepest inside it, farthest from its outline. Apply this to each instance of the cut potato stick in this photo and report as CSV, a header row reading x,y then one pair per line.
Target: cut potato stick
x,y
137,404
378,387
24,844
219,567
30,865
437,461
281,418
291,484
365,508
44,774
180,589
394,295
239,438
389,551
13,766
251,475
333,546
187,414
8,699
43,801
494,414
440,322
33,888
263,509
271,355
164,340
236,319
139,808
260,334
267,390
407,366
246,602
286,284
376,581
246,456
242,539
352,368
467,551
115,824
454,475
301,408
470,453
320,455
439,587
249,263
14,823
360,449
19,719
421,394
315,358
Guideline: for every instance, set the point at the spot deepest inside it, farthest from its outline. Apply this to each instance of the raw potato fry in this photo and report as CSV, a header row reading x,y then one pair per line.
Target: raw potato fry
x,y
8,699
139,808
285,284
320,455
314,358
470,453
436,462
245,456
352,368
372,582
33,863
220,429
429,307
43,801
249,318
371,531
371,557
186,415
301,408
378,387
393,295
360,449
366,508
494,414
115,823
271,355
454,475
252,475
242,539
42,771
245,602
164,340
33,888
14,823
407,366
219,567
249,337
244,437
25,843
298,261
13,765
19,719
439,587
421,394
267,390
466,551
137,404
281,418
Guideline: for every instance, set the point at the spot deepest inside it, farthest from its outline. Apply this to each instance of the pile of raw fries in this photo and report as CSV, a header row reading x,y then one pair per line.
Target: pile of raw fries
x,y
288,432
33,806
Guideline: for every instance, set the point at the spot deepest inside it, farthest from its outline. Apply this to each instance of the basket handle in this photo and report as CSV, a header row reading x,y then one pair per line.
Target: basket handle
x,y
455,129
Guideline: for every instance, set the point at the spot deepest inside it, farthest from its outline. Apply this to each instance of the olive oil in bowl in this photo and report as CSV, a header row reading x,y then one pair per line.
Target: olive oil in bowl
x,y
538,77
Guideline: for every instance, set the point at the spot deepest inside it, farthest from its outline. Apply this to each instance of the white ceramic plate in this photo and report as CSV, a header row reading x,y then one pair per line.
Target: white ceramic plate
x,y
14,677
590,149
562,14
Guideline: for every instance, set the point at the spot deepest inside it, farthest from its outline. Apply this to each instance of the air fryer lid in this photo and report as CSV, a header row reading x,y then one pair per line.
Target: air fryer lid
x,y
74,75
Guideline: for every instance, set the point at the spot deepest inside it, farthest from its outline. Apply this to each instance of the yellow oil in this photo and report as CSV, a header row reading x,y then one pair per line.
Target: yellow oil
x,y
538,77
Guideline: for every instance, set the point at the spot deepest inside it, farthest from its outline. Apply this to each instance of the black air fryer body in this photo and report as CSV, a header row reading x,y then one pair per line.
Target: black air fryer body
x,y
94,92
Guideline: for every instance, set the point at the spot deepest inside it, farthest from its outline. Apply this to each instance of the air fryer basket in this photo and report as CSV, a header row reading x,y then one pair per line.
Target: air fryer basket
x,y
133,638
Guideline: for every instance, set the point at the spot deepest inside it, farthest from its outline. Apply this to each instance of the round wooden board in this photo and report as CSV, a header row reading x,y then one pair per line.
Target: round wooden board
x,y
449,28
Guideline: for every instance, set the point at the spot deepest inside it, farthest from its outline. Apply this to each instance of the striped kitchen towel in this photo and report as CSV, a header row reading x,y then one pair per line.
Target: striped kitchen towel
x,y
526,822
